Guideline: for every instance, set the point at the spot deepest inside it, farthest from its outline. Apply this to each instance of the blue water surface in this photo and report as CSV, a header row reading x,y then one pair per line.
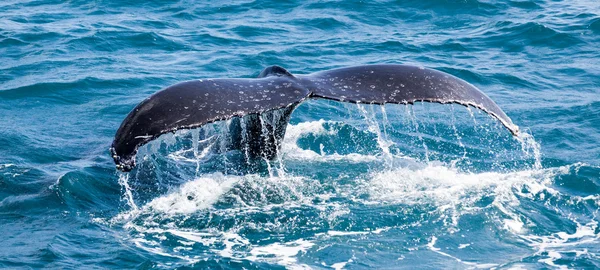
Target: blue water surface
x,y
356,186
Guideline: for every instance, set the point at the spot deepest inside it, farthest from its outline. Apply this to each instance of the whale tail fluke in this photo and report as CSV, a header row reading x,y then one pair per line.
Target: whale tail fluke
x,y
195,103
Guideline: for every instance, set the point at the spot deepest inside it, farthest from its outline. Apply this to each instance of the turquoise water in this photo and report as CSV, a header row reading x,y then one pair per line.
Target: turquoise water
x,y
428,185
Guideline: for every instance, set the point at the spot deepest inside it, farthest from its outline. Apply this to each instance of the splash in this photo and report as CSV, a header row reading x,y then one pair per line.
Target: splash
x,y
455,193
413,118
263,205
193,196
284,216
531,148
458,139
281,253
291,151
371,120
127,193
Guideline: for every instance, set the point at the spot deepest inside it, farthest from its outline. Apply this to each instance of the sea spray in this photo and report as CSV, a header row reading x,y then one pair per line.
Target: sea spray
x,y
413,118
224,214
458,138
195,145
127,194
373,126
530,148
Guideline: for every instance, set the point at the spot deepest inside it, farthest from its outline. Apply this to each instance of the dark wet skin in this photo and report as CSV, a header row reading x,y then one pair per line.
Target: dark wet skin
x,y
275,94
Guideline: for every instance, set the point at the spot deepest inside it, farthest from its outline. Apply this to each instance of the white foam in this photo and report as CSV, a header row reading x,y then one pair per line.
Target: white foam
x,y
281,253
14,173
348,233
231,240
513,225
445,186
454,193
555,244
7,165
451,191
431,246
431,184
152,247
553,256
205,239
195,195
339,233
341,265
461,246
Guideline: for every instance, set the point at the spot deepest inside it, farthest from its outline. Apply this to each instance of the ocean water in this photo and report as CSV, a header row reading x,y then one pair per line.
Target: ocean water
x,y
355,187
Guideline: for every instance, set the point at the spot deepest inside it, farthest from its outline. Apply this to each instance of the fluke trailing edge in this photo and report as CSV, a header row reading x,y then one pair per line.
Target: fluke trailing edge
x,y
195,103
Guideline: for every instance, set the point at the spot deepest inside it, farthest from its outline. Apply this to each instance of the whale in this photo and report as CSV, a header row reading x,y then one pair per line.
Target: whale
x,y
274,95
